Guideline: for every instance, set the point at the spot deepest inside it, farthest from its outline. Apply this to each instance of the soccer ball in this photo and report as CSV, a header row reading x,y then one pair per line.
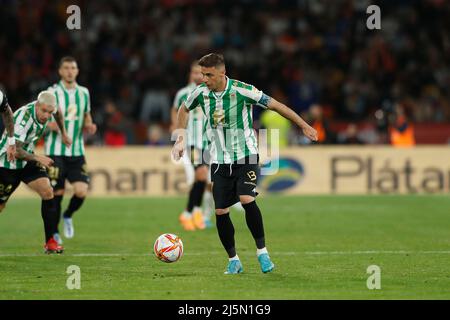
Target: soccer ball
x,y
168,248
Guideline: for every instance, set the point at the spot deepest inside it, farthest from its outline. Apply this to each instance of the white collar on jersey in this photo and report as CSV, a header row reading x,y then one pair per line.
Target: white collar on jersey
x,y
68,90
220,96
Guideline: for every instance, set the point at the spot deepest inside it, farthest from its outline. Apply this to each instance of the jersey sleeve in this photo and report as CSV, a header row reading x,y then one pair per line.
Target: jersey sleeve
x,y
88,102
177,100
21,126
254,96
192,100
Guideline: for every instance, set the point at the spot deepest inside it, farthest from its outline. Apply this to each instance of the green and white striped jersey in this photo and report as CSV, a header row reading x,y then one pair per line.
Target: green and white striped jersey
x,y
229,119
196,124
74,104
27,129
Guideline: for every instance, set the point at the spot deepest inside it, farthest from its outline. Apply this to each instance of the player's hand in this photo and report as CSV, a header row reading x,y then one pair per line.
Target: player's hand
x,y
91,128
11,152
66,140
44,161
310,133
53,126
178,150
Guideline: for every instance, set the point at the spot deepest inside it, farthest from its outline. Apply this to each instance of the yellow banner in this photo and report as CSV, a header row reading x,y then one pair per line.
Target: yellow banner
x,y
149,171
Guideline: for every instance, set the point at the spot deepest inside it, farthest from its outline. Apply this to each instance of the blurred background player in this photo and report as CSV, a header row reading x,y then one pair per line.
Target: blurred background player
x,y
234,166
69,162
8,122
30,122
194,161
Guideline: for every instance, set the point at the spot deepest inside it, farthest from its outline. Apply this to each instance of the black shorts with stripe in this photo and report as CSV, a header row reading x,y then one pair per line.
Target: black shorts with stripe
x,y
233,180
10,178
64,168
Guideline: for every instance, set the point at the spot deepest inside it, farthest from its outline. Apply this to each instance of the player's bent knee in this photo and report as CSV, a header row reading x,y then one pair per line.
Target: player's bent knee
x,y
222,211
246,199
81,189
201,174
80,193
59,192
46,193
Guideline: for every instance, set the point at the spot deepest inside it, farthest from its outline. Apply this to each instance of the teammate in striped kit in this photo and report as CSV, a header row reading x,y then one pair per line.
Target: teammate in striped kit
x,y
69,162
196,170
30,122
8,122
227,104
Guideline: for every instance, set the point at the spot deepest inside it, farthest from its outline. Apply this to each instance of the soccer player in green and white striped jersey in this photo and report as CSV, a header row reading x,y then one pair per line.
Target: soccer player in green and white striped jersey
x,y
196,170
30,122
228,104
70,162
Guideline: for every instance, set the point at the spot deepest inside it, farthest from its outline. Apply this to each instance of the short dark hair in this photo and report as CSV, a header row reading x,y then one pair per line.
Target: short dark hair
x,y
194,63
66,59
212,60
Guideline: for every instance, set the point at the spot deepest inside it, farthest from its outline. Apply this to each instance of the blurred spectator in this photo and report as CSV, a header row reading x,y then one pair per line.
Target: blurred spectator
x,y
155,107
115,126
136,53
155,136
350,136
401,130
318,122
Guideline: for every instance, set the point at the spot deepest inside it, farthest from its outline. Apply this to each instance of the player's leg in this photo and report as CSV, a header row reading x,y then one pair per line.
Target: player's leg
x,y
58,198
208,200
246,186
224,194
80,190
57,174
36,178
78,176
201,176
208,204
186,216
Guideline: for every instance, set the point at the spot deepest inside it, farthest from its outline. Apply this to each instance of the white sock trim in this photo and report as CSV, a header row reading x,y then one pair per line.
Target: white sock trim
x,y
261,251
197,209
234,258
187,214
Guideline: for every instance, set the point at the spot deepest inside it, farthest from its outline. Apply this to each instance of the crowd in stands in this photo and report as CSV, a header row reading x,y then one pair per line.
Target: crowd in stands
x,y
316,56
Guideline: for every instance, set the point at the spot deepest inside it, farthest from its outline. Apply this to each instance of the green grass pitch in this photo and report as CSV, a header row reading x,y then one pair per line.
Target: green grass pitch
x,y
321,245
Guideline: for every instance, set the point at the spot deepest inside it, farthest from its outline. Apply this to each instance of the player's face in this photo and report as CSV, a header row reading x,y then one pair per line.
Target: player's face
x,y
68,71
44,112
196,75
213,77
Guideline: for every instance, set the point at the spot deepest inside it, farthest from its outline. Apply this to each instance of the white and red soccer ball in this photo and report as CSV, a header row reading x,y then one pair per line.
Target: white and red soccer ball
x,y
168,248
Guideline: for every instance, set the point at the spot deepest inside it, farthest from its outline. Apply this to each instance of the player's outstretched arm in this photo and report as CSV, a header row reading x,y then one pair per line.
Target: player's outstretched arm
x,y
182,121
60,122
22,154
290,114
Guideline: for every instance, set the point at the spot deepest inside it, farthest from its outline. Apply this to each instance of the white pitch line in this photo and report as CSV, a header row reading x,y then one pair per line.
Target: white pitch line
x,y
374,252
286,253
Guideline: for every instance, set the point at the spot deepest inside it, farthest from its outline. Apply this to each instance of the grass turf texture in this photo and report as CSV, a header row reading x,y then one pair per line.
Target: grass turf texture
x,y
321,247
